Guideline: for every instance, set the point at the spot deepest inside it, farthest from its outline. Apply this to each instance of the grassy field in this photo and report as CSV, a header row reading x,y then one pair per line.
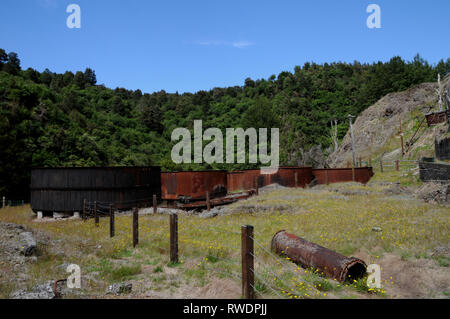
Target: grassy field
x,y
339,216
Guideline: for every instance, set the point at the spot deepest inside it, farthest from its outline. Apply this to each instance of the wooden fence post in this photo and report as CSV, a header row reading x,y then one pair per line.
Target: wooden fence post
x,y
401,138
174,238
296,179
397,165
83,216
155,204
208,203
97,220
248,280
111,221
135,226
353,173
326,177
256,186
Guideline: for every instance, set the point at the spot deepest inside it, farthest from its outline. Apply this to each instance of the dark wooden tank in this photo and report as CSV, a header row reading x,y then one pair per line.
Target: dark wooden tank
x,y
64,189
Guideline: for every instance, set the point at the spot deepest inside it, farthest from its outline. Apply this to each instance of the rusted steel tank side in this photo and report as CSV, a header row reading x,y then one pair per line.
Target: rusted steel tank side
x,y
244,179
63,189
285,176
169,186
193,184
235,181
311,255
253,176
364,174
247,179
340,175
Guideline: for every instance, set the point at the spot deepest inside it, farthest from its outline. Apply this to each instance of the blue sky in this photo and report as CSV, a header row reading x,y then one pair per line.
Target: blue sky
x,y
194,45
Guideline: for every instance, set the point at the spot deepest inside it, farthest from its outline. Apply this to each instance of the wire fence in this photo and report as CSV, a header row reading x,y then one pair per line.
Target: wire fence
x,y
398,165
271,276
11,202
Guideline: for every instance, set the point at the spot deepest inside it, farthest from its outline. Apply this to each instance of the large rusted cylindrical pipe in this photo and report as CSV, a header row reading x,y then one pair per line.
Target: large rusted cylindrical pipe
x,y
311,255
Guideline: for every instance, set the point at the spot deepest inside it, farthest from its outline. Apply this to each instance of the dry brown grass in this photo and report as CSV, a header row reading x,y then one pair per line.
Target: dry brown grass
x,y
210,248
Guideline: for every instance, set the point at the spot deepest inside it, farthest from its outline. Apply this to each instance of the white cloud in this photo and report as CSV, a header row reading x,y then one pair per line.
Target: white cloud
x,y
236,44
242,44
209,43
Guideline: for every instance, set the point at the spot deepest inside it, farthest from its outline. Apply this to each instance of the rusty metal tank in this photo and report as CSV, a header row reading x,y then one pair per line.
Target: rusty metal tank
x,y
193,185
340,175
285,176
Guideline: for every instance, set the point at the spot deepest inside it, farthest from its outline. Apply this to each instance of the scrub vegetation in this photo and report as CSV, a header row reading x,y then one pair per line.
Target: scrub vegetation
x,y
407,244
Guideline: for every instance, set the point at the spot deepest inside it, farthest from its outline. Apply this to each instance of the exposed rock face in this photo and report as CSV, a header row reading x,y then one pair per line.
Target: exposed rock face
x,y
380,123
14,239
434,192
120,288
43,291
28,244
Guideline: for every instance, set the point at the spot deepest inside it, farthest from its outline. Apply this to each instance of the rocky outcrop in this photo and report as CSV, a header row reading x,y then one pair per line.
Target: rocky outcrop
x,y
434,193
15,241
27,243
120,288
43,291
377,126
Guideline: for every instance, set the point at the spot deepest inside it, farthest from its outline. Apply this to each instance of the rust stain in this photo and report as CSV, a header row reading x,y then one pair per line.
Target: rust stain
x,y
285,176
193,185
339,175
436,117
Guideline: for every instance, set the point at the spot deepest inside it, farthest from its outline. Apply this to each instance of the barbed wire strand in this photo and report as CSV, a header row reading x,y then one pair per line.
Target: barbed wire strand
x,y
265,283
278,278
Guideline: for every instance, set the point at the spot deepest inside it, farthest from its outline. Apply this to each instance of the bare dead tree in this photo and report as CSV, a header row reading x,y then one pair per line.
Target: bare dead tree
x,y
447,98
334,134
439,92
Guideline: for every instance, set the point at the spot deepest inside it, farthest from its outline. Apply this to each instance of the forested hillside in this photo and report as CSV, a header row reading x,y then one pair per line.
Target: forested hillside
x,y
49,119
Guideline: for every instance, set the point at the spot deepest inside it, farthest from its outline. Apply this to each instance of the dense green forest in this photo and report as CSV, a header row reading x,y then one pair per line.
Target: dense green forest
x,y
49,119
